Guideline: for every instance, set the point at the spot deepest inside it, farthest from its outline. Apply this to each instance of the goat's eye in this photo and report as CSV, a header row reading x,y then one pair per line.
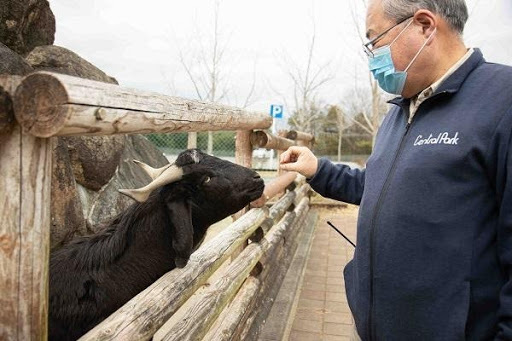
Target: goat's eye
x,y
207,180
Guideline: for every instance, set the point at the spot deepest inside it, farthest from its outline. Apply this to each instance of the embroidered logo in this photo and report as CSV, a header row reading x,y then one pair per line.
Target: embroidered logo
x,y
442,138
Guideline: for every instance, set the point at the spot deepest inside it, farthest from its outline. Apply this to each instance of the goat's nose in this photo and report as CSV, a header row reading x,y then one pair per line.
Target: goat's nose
x,y
256,177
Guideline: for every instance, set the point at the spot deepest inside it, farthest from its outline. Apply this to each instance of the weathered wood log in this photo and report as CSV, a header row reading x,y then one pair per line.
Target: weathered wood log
x,y
301,192
192,140
278,210
290,220
275,265
243,148
49,104
228,322
243,157
208,305
143,315
25,175
298,135
8,85
261,139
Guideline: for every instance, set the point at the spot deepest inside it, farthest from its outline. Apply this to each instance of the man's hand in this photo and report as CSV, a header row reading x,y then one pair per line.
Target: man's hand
x,y
299,159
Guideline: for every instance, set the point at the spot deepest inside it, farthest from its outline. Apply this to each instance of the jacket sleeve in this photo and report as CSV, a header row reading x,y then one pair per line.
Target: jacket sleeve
x,y
504,196
338,182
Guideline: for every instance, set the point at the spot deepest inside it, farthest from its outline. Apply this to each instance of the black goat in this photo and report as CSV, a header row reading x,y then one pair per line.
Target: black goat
x,y
93,276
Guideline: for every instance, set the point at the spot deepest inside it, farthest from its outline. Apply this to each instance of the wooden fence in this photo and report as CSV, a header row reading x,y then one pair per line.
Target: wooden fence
x,y
227,271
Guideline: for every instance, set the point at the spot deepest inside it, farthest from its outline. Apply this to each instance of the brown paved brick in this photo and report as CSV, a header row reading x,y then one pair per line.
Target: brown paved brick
x,y
310,314
337,307
313,294
335,281
304,336
317,262
338,329
336,268
315,279
313,286
337,317
335,274
336,338
335,288
337,251
317,273
308,303
336,297
311,326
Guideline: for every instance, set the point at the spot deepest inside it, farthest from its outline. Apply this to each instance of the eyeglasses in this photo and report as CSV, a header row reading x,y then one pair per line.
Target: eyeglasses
x,y
368,47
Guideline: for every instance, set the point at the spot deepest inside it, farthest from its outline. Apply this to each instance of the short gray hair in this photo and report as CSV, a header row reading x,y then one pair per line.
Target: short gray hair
x,y
455,12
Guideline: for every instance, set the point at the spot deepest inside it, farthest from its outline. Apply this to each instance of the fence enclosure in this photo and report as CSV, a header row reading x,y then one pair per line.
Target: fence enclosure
x,y
43,105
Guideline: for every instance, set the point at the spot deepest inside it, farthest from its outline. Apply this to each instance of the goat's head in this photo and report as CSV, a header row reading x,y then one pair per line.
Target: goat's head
x,y
199,190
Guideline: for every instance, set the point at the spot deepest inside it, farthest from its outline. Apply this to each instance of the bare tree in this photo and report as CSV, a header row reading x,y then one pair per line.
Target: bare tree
x,y
206,69
342,125
306,82
373,113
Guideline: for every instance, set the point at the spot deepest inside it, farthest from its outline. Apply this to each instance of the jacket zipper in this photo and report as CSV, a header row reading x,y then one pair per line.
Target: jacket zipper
x,y
372,229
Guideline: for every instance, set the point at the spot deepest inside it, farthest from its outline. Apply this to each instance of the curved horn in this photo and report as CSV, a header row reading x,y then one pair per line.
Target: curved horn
x,y
152,172
171,174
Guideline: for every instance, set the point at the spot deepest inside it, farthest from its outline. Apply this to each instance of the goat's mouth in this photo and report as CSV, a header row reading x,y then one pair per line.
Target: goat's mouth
x,y
256,190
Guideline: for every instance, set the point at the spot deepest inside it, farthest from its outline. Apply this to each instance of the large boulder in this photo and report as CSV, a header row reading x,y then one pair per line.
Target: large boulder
x,y
108,202
59,59
66,209
25,24
12,63
95,159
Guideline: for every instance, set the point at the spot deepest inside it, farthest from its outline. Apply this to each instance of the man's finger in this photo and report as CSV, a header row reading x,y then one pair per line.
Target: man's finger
x,y
286,167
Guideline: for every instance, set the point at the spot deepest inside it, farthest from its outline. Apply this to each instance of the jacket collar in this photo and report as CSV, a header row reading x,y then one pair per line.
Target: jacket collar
x,y
453,83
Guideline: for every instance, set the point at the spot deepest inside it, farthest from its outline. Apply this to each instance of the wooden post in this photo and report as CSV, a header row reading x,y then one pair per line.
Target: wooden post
x,y
243,148
243,157
49,104
25,175
192,140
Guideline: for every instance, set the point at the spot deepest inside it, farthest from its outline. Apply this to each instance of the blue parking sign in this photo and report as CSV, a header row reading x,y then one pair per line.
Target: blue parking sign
x,y
276,111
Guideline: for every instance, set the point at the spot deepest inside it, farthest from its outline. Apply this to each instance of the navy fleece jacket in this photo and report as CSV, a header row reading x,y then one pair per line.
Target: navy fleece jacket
x,y
434,240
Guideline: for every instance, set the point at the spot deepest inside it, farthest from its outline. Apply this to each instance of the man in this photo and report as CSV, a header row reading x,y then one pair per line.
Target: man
x,y
434,245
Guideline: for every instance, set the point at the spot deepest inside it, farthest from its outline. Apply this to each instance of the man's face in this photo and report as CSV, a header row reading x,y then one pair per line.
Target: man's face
x,y
403,49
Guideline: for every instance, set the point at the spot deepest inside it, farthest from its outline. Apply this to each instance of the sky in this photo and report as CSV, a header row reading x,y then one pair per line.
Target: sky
x,y
262,41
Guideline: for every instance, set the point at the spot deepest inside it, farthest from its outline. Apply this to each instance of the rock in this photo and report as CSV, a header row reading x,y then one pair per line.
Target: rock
x,y
59,59
25,24
66,208
94,159
12,63
109,202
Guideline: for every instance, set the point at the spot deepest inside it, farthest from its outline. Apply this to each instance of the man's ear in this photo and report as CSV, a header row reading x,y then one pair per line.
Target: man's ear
x,y
182,230
427,20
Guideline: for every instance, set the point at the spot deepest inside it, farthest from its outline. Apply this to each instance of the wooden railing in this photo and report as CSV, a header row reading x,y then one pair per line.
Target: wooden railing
x,y
44,105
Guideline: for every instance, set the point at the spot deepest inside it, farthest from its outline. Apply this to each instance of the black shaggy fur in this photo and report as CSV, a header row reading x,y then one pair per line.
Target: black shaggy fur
x,y
93,276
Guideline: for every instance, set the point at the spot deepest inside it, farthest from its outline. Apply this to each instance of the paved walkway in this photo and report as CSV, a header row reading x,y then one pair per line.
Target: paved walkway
x,y
322,311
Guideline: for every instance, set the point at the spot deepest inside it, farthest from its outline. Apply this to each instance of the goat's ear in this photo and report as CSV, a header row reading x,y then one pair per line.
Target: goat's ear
x,y
182,230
